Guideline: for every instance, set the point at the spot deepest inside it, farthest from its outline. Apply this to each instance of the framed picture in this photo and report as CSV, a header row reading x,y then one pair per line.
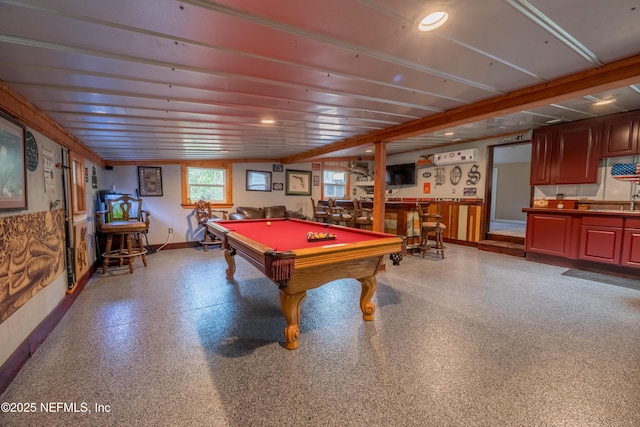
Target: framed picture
x,y
94,178
298,183
278,186
258,181
13,172
150,180
277,168
316,180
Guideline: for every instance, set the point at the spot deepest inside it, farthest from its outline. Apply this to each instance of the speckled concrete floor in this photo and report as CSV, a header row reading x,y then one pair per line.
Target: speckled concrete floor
x,y
476,339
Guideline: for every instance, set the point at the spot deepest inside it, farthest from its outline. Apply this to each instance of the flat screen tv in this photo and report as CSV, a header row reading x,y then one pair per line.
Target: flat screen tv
x,y
401,175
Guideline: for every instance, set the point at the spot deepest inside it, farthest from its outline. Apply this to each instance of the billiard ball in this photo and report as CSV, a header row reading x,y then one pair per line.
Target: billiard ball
x,y
268,222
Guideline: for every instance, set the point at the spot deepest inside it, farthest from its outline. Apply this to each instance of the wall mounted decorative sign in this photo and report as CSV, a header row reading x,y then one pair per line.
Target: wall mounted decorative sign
x,y
31,148
94,177
13,172
48,166
150,181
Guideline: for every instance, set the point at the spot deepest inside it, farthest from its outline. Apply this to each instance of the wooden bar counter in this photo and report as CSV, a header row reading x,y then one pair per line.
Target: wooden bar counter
x,y
463,217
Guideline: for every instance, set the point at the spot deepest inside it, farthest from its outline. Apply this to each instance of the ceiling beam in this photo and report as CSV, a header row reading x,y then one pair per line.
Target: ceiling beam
x,y
614,75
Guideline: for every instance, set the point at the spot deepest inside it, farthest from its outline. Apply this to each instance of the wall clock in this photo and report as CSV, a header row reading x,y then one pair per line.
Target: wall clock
x,y
32,152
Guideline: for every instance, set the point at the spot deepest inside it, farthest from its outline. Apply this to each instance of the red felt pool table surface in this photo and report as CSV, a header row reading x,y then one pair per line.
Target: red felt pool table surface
x,y
281,251
290,234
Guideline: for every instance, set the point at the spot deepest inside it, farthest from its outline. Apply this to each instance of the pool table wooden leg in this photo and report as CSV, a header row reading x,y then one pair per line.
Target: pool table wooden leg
x,y
290,305
369,285
229,256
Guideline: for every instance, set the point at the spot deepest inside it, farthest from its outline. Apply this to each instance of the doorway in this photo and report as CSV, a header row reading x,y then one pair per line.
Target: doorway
x,y
508,168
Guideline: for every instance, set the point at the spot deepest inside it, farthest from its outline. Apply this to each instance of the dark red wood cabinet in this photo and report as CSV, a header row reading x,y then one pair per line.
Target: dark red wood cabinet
x,y
549,234
619,134
541,156
601,239
566,154
631,244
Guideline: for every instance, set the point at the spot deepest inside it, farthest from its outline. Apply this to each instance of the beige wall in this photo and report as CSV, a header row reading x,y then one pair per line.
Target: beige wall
x,y
18,326
512,192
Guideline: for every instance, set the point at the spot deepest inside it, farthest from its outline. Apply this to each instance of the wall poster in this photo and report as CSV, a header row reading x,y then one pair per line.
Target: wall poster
x,y
48,163
13,172
32,256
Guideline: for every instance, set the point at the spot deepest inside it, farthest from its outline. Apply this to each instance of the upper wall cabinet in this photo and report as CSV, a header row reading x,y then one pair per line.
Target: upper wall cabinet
x,y
541,156
619,134
565,154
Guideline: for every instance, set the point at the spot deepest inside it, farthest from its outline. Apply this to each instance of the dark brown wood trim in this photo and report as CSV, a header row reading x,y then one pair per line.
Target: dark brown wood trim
x,y
179,245
460,242
16,361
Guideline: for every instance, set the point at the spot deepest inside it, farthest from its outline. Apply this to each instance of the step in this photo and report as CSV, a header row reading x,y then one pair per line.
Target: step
x,y
505,238
502,247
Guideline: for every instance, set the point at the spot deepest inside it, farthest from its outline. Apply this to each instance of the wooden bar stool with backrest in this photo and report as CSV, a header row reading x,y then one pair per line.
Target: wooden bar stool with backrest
x,y
338,214
126,219
363,217
320,213
431,223
205,214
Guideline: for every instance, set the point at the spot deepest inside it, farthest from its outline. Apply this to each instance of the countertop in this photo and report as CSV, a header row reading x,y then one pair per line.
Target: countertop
x,y
600,212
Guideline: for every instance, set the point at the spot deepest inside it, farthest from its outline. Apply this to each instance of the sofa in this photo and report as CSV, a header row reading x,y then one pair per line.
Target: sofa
x,y
278,211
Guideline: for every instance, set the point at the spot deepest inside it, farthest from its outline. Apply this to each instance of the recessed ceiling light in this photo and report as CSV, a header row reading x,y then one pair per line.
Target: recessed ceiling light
x,y
448,134
267,121
368,151
433,20
604,102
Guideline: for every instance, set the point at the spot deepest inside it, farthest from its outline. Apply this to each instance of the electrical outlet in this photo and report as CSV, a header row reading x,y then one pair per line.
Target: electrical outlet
x,y
170,230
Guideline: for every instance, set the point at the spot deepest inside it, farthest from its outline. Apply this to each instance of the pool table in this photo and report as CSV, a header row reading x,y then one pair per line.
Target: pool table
x,y
279,248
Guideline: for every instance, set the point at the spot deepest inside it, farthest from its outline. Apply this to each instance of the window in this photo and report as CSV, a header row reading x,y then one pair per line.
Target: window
x,y
78,186
207,181
335,183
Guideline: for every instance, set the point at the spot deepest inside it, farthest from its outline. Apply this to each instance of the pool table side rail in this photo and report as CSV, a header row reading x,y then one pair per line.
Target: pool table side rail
x,y
263,257
252,251
327,254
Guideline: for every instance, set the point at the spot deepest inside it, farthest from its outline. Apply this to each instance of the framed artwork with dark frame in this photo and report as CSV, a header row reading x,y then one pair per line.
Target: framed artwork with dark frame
x,y
13,172
298,183
258,181
150,180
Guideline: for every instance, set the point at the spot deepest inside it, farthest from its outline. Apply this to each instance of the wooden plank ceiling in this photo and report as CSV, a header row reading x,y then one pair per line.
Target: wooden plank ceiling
x,y
153,80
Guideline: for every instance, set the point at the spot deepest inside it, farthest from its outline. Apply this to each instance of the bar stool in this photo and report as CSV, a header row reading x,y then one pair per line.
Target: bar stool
x,y
430,223
204,214
338,214
125,219
363,217
320,213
